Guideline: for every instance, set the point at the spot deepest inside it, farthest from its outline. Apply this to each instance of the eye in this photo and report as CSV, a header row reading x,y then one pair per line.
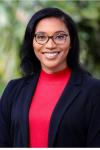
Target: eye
x,y
41,37
60,37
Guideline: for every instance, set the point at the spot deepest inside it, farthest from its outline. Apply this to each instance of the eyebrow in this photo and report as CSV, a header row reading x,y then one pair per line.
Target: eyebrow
x,y
61,31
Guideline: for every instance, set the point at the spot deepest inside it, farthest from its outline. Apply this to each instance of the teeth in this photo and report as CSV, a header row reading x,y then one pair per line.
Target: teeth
x,y
51,55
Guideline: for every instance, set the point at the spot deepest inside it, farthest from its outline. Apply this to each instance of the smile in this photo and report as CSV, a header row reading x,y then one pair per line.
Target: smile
x,y
51,55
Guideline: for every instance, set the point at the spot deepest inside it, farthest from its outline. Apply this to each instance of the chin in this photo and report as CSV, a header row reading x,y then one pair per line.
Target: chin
x,y
51,65
52,68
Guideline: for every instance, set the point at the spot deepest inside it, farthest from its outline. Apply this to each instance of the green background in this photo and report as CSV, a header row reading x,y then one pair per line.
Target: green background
x,y
14,16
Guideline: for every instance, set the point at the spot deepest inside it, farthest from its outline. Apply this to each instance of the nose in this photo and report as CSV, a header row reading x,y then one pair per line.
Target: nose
x,y
50,44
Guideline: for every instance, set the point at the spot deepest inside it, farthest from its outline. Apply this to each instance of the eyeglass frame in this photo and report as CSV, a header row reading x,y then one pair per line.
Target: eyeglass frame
x,y
50,37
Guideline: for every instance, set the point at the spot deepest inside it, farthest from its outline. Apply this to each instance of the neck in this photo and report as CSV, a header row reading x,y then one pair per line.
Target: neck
x,y
53,70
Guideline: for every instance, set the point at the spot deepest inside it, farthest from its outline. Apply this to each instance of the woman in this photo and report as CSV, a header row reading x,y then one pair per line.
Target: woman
x,y
56,104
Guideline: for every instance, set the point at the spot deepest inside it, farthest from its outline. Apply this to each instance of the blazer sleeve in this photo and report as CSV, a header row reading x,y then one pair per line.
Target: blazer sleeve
x,y
93,134
5,108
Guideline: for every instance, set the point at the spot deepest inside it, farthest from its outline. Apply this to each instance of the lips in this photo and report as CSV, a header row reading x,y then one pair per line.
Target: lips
x,y
51,55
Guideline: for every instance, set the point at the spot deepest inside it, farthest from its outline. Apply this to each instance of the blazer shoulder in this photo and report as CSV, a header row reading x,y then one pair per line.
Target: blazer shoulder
x,y
15,85
90,83
90,79
15,82
86,78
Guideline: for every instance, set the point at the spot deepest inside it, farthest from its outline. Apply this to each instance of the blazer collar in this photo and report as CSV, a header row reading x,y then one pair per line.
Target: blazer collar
x,y
68,96
25,101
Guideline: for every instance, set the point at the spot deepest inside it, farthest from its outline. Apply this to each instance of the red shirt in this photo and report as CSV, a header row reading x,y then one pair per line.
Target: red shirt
x,y
48,91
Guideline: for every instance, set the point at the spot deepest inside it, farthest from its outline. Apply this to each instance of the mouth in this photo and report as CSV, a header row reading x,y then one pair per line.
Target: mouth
x,y
51,55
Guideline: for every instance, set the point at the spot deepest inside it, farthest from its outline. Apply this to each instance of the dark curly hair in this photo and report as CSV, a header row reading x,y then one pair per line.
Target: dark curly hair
x,y
30,63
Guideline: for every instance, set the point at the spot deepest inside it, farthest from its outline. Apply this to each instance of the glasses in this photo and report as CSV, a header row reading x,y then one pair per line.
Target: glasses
x,y
43,38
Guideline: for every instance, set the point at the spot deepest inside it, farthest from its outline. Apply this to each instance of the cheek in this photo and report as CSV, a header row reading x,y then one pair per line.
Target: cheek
x,y
36,46
65,48
37,49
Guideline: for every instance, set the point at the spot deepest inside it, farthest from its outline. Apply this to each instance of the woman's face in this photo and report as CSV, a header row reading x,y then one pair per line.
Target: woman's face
x,y
52,55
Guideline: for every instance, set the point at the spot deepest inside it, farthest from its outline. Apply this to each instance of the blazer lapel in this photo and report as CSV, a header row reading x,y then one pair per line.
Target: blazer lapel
x,y
70,92
25,100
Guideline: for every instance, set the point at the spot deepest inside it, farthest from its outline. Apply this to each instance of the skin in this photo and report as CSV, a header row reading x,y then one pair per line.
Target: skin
x,y
58,63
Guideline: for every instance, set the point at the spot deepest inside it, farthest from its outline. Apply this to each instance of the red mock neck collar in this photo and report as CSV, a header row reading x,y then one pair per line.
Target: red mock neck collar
x,y
55,76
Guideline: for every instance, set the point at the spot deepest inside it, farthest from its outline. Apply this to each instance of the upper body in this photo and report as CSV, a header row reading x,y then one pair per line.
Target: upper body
x,y
51,44
75,120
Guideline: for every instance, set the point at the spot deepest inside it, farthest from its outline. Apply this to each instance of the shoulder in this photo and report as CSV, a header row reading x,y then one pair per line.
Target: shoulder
x,y
14,86
90,87
21,81
16,83
90,80
85,78
87,83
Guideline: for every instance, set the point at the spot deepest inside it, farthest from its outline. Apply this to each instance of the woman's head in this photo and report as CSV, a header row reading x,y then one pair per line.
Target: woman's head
x,y
30,62
51,44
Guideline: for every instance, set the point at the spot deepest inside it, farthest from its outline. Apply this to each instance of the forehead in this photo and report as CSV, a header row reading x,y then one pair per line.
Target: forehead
x,y
51,25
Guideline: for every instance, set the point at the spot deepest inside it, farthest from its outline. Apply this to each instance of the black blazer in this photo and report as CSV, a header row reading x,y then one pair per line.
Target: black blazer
x,y
75,121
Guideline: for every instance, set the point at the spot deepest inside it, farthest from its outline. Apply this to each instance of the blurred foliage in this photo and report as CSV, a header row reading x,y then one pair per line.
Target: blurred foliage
x,y
14,16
